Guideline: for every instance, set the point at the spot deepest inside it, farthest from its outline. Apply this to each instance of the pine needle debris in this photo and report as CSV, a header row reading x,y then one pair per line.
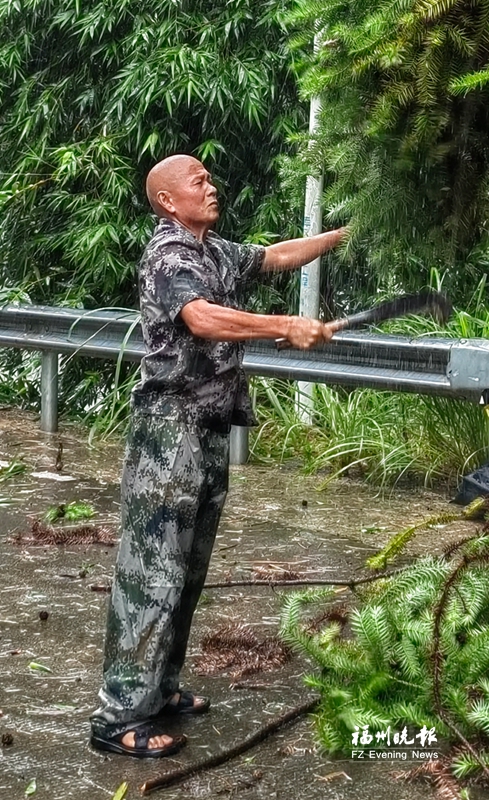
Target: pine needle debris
x,y
237,651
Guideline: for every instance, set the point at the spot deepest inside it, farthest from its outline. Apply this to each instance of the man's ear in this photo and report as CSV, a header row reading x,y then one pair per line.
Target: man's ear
x,y
165,201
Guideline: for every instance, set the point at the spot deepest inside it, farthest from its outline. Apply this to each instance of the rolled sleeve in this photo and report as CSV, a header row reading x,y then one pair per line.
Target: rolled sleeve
x,y
249,260
180,279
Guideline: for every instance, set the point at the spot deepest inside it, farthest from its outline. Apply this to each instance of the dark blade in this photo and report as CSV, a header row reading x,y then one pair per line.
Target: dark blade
x,y
434,303
429,301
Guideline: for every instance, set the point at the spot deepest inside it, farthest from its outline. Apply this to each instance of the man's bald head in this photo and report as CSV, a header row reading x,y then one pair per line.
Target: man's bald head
x,y
180,188
166,175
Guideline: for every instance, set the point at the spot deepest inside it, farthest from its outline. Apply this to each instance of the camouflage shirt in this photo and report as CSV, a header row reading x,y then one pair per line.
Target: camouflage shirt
x,y
203,380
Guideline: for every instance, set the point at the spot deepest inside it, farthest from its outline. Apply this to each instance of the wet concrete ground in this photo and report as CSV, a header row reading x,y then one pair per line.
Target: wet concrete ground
x,y
274,516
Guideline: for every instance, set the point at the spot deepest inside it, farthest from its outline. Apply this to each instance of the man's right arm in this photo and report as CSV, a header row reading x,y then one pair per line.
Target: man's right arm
x,y
212,321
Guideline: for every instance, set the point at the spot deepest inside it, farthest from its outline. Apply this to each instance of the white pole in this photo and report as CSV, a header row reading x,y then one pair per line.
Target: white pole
x,y
310,273
49,391
239,445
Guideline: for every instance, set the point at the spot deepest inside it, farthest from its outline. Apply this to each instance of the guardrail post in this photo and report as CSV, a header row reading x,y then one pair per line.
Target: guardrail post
x,y
238,445
49,391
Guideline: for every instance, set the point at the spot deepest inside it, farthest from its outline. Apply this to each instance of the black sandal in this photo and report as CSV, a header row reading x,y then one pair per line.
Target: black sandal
x,y
185,704
142,734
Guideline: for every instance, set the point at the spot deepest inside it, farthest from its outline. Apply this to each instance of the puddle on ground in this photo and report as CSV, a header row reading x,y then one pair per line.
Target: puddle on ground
x,y
274,519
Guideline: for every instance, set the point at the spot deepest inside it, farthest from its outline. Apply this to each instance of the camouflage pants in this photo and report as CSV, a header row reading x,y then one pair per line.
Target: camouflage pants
x,y
174,485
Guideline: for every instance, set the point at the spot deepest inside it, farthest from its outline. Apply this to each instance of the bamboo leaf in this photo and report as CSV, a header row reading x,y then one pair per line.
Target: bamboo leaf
x,y
121,791
38,667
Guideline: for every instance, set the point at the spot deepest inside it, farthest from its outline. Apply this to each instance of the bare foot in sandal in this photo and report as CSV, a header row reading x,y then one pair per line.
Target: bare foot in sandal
x,y
186,703
146,740
154,743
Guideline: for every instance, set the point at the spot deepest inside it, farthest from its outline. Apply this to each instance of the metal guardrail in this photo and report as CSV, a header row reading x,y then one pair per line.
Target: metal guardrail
x,y
457,368
368,360
101,333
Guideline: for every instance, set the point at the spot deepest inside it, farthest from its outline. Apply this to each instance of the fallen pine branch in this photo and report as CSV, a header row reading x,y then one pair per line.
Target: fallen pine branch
x,y
238,651
42,533
476,510
302,582
256,686
439,657
177,775
351,582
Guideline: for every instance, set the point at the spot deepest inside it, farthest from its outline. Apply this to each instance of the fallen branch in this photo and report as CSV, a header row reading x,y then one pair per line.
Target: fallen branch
x,y
256,686
476,510
42,533
302,582
177,775
237,650
351,583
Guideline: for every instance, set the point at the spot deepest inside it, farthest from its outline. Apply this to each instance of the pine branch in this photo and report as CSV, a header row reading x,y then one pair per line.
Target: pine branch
x,y
437,653
476,510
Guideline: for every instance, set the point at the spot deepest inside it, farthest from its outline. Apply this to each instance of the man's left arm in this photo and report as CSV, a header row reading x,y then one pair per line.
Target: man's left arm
x,y
297,252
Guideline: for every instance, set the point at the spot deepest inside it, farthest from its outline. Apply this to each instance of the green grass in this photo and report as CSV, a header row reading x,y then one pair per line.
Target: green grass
x,y
384,437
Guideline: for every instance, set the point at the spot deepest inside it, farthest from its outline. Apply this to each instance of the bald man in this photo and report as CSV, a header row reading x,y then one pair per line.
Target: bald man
x,y
175,475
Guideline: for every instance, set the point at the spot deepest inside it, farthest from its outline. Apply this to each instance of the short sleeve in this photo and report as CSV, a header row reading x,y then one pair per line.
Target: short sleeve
x,y
249,260
179,278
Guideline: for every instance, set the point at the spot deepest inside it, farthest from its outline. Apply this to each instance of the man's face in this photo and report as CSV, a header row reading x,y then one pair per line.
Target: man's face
x,y
193,196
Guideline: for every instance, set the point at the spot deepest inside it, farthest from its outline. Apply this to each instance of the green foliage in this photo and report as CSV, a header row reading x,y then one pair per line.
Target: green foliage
x,y
383,437
69,512
384,670
476,510
398,542
121,791
465,765
92,94
12,469
402,136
